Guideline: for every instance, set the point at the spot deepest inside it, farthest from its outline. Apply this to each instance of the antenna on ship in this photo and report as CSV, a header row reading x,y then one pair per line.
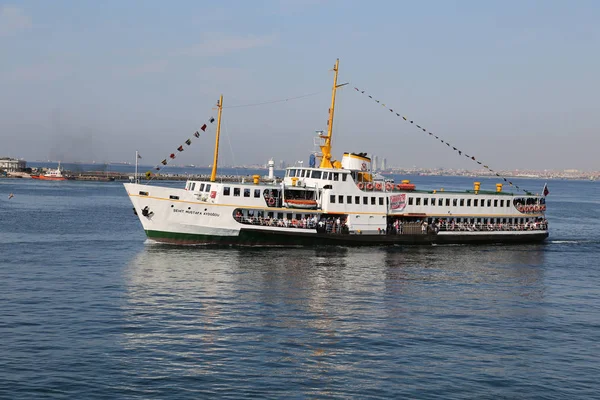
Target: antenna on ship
x,y
326,147
213,175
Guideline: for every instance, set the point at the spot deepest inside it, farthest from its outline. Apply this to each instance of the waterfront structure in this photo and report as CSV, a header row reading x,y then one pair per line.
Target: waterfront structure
x,y
12,164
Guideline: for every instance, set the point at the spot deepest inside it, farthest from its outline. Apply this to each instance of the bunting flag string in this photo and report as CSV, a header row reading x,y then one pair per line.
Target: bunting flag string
x,y
172,156
460,152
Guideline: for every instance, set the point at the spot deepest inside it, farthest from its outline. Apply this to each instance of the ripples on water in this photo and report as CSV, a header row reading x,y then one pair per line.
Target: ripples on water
x,y
88,309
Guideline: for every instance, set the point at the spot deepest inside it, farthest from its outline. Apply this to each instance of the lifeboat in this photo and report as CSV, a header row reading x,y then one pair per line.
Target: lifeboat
x,y
406,186
301,203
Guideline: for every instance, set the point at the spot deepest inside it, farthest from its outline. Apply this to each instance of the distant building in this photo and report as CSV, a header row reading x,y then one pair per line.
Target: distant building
x,y
374,162
282,164
384,164
12,164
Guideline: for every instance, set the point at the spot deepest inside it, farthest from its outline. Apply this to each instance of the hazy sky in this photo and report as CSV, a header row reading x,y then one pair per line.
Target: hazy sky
x,y
515,83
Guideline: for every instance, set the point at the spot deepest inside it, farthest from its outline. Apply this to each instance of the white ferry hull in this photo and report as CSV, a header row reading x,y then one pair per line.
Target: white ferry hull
x,y
185,220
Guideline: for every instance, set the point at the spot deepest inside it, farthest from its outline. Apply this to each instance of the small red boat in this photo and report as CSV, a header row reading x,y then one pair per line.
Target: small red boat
x,y
51,175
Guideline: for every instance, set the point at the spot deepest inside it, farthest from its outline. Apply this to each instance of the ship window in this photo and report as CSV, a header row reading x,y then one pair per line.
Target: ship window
x,y
207,188
316,174
440,202
365,200
336,176
501,203
478,220
302,173
289,216
326,175
279,215
270,214
257,193
468,202
200,187
143,193
454,202
496,203
475,202
357,199
291,172
381,201
341,199
417,201
226,191
507,203
489,202
373,201
174,197
298,216
410,201
332,198
246,192
349,199
425,201
344,176
462,202
236,191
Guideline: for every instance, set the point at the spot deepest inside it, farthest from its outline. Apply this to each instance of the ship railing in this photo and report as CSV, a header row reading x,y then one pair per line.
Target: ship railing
x,y
480,227
304,223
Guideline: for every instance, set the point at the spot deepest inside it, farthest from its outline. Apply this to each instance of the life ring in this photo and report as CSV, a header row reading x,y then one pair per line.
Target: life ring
x,y
271,201
389,186
378,186
530,209
536,208
369,186
542,208
521,209
363,166
361,185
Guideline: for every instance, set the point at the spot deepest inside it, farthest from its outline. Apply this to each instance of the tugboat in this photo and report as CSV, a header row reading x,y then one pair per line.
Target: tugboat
x,y
51,175
333,203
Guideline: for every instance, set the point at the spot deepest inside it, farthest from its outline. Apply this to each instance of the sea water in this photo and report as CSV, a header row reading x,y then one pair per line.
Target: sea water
x,y
90,309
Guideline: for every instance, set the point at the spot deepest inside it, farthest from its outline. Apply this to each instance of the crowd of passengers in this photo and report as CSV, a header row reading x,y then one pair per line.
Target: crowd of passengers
x,y
398,227
324,224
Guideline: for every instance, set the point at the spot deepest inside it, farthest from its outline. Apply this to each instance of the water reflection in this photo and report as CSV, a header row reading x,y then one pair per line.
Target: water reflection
x,y
297,312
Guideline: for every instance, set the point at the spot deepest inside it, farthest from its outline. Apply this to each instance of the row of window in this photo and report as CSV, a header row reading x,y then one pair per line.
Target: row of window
x,y
316,174
237,191
417,201
202,187
365,200
458,202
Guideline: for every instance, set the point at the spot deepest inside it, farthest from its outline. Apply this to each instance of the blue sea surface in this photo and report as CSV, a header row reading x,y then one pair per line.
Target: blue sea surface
x,y
89,309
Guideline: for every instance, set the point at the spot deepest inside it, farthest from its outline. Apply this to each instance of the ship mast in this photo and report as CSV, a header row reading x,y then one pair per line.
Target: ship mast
x,y
326,147
213,175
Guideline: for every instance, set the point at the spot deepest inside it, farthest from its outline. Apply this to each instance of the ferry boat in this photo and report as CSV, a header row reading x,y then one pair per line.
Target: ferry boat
x,y
333,203
51,175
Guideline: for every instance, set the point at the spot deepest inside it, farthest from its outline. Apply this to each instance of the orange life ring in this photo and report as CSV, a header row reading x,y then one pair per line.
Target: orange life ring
x,y
543,208
521,209
399,186
378,186
369,186
389,186
271,201
530,209
536,208
361,185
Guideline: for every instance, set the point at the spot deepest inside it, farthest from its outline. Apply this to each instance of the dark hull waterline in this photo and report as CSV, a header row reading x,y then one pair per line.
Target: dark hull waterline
x,y
254,237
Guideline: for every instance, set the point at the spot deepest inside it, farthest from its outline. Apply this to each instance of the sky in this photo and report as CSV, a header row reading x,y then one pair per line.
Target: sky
x,y
513,83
